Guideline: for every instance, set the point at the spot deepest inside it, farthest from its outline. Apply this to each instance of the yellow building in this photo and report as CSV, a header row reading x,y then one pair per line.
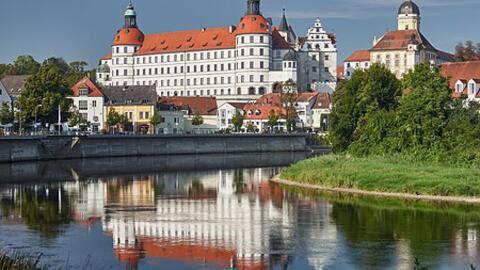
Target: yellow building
x,y
137,103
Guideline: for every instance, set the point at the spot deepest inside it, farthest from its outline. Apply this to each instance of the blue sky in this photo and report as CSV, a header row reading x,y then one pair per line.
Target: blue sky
x,y
84,29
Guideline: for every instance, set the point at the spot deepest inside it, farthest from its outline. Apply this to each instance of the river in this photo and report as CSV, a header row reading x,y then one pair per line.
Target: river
x,y
218,212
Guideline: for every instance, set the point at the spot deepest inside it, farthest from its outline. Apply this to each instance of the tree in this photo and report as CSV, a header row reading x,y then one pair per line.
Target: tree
x,y
197,119
6,114
24,65
76,119
155,120
237,120
289,86
78,66
49,89
272,120
113,119
57,62
366,92
467,52
124,121
251,127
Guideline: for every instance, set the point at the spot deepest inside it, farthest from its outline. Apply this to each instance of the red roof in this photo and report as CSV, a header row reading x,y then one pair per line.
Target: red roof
x,y
340,71
190,40
359,56
107,57
202,105
278,41
463,71
261,112
323,101
252,24
129,36
86,83
305,97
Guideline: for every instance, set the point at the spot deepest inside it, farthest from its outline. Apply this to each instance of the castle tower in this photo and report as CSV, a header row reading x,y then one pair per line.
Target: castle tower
x,y
409,16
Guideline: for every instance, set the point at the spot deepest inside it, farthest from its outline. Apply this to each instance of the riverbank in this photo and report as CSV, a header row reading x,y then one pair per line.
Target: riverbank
x,y
18,262
385,177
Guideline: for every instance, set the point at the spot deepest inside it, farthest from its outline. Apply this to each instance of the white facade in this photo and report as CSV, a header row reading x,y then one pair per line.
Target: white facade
x,y
225,115
91,109
5,96
241,72
351,67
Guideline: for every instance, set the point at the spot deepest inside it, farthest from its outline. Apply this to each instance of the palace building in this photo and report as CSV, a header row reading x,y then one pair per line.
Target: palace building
x,y
239,62
400,50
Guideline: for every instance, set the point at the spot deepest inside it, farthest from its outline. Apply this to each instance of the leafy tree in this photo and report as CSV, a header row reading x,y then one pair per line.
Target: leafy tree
x,y
197,119
49,89
78,66
289,86
76,119
467,51
237,120
6,114
3,70
272,120
289,101
24,65
113,119
251,127
155,120
57,62
366,92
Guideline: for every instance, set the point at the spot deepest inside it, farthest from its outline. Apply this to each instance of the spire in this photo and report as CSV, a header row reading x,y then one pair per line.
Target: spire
x,y
253,7
130,16
284,24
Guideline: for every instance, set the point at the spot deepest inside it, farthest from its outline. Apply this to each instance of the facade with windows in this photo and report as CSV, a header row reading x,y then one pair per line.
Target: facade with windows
x,y
88,99
357,61
231,63
464,78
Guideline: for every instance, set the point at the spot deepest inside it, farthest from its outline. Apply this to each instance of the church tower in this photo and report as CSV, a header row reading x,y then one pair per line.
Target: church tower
x,y
130,16
409,16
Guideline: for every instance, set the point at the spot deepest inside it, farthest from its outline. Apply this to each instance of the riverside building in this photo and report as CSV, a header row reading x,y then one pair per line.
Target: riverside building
x,y
235,63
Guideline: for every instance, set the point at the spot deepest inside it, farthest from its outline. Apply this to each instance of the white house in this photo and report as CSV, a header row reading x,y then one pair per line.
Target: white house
x,y
89,100
321,112
358,60
464,79
226,112
236,63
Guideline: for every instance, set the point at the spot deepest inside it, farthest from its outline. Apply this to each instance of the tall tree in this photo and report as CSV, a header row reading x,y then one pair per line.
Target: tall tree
x,y
24,65
367,91
113,119
76,119
6,114
57,62
237,120
272,120
155,120
467,51
49,89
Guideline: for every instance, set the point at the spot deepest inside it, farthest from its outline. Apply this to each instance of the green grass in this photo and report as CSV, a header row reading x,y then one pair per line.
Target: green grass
x,y
19,262
386,175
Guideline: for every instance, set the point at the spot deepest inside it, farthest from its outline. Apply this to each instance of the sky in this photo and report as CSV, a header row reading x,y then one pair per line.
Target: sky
x,y
84,29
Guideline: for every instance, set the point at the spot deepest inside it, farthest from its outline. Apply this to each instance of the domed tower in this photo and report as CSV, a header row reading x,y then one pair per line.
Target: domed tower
x,y
409,16
253,45
126,42
103,73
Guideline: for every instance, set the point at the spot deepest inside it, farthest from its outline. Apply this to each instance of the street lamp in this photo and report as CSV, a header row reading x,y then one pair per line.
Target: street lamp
x,y
36,110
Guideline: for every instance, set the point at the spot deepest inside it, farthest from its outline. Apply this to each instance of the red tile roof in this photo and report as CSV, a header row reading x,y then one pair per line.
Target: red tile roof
x,y
93,89
359,56
398,40
463,71
324,101
252,24
129,36
261,112
305,97
202,105
340,71
278,42
107,57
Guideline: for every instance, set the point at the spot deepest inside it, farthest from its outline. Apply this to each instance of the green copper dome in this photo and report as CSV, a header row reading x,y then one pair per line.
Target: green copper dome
x,y
103,68
130,10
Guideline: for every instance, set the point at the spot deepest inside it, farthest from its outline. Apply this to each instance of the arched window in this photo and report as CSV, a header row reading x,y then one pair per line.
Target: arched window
x,y
261,91
251,91
239,91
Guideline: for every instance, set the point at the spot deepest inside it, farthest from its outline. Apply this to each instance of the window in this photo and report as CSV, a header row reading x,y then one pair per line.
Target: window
x,y
81,92
472,88
94,103
327,57
252,39
252,52
262,78
459,87
251,91
83,105
314,69
251,78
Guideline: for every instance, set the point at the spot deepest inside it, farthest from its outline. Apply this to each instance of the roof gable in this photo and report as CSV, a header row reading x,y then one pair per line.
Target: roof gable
x,y
93,89
359,56
130,95
202,105
460,71
14,84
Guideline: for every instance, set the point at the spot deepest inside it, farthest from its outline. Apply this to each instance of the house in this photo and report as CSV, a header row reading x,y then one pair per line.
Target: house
x,y
88,99
206,107
464,79
173,120
226,112
321,112
12,86
138,103
304,106
358,60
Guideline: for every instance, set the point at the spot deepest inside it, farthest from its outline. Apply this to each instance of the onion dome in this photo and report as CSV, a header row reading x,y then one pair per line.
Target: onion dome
x,y
290,56
129,36
408,8
252,24
103,68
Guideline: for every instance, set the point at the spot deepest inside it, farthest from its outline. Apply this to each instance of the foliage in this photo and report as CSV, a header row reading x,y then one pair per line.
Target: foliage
x,y
237,120
197,119
113,118
49,89
272,120
251,127
23,65
467,51
155,120
18,261
386,174
76,119
368,91
6,114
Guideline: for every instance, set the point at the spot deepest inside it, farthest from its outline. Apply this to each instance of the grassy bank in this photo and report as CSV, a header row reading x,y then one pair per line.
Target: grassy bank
x,y
382,174
18,262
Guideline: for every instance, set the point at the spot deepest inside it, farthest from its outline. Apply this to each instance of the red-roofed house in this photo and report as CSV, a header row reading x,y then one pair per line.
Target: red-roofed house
x,y
358,60
464,78
401,50
244,61
88,98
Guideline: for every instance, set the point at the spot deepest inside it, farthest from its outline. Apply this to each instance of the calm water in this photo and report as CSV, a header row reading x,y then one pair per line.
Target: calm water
x,y
217,212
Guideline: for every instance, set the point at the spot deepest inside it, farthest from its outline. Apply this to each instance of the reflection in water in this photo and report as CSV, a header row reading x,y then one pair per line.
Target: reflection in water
x,y
235,219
